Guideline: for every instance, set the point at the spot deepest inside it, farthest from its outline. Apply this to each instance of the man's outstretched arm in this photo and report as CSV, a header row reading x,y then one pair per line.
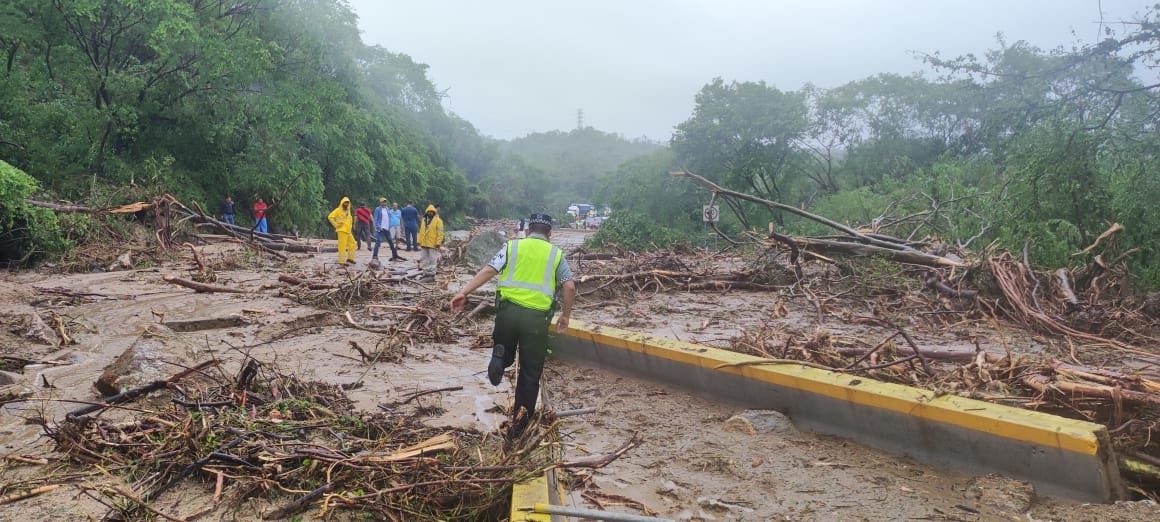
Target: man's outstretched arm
x,y
484,275
566,308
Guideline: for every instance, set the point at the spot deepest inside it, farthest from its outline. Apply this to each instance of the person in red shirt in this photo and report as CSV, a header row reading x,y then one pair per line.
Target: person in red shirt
x,y
260,216
362,226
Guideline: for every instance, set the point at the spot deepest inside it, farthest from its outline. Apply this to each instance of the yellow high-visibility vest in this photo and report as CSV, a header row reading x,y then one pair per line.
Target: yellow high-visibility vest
x,y
529,277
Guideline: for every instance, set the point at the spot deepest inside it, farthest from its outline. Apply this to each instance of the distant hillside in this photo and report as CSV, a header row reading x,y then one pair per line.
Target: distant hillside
x,y
574,160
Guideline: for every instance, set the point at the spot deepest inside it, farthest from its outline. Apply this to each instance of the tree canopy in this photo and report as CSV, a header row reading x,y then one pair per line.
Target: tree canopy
x,y
1019,145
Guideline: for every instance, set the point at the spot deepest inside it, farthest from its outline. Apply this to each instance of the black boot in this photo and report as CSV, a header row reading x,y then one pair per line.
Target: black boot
x,y
495,366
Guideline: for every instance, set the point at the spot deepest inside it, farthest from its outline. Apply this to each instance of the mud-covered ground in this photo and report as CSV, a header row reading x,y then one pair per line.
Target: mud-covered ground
x,y
696,462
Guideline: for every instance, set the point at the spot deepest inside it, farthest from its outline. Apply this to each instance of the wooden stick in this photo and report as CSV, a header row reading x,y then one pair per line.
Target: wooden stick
x,y
313,285
129,495
196,258
416,395
8,499
300,504
202,287
217,488
26,460
599,461
356,326
778,361
1043,384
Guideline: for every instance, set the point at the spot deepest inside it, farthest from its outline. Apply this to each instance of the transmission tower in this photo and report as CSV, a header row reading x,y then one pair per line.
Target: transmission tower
x,y
579,119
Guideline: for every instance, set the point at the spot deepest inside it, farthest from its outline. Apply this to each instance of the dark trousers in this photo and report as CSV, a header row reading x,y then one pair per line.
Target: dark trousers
x,y
361,231
526,331
411,233
384,235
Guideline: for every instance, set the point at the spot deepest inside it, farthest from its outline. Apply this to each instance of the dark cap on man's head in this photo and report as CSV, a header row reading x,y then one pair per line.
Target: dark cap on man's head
x,y
542,219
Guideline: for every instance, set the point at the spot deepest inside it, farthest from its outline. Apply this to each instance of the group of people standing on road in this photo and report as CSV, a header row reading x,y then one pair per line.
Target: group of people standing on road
x,y
227,214
421,233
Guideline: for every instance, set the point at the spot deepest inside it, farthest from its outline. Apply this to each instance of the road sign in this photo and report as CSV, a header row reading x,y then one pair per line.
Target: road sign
x,y
710,214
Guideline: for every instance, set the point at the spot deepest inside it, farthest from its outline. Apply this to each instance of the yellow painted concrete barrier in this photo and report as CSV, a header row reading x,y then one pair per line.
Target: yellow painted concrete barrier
x,y
1062,457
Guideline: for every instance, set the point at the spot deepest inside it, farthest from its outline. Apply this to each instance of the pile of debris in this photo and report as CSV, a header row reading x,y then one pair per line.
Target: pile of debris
x,y
265,434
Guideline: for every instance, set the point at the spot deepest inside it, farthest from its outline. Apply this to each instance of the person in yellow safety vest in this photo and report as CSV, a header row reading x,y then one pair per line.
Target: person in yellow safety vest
x,y
430,239
341,221
531,272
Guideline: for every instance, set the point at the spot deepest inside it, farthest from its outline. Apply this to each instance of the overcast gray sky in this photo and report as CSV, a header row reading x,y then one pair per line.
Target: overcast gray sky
x,y
515,67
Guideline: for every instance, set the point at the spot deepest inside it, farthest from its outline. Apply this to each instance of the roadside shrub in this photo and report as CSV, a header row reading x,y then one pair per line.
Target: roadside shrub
x,y
27,234
634,232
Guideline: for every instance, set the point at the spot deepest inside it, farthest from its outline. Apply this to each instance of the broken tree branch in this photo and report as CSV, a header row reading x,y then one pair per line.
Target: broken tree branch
x,y
202,287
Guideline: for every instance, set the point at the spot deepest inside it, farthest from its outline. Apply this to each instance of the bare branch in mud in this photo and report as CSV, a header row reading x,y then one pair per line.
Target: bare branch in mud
x,y
202,287
933,281
143,390
353,324
313,285
21,495
300,503
599,461
416,395
905,336
196,258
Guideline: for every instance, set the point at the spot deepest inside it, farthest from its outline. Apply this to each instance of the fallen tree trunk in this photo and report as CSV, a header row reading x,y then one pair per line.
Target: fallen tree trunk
x,y
297,248
1044,384
871,240
903,256
78,209
231,230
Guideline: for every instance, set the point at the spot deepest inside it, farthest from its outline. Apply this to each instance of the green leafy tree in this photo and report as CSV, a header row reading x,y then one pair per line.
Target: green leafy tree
x,y
28,233
744,136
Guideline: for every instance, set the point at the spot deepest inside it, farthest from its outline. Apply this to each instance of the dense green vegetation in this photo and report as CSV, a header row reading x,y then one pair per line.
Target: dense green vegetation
x,y
278,99
26,233
109,101
1021,144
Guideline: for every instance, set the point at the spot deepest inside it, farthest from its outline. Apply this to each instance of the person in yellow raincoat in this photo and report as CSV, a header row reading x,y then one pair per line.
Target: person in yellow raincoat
x,y
342,222
430,239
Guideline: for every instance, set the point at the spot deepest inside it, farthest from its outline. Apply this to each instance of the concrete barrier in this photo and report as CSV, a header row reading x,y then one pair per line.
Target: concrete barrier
x,y
537,490
1061,457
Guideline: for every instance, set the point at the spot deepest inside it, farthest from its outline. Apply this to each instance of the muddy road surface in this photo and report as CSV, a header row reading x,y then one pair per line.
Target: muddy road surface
x,y
699,460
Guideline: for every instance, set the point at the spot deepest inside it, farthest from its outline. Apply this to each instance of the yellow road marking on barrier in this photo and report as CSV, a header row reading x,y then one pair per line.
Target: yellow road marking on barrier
x,y
525,495
1004,421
